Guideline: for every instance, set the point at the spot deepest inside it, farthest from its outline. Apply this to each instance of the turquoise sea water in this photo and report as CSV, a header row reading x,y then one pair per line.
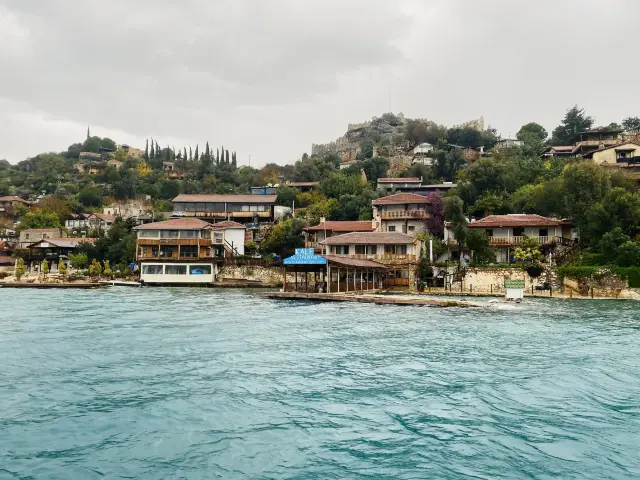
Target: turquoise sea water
x,y
188,383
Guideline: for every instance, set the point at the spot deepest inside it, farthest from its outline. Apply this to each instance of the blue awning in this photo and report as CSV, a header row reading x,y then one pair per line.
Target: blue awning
x,y
305,256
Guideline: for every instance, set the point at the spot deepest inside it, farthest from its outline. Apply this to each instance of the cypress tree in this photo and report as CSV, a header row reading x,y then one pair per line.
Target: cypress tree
x,y
227,157
152,152
146,150
190,154
158,151
207,153
234,160
217,156
195,155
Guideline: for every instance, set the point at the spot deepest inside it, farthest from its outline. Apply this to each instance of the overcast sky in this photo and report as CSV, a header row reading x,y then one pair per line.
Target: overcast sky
x,y
269,77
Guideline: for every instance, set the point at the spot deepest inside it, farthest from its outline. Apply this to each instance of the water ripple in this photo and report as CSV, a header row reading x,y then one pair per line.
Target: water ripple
x,y
190,383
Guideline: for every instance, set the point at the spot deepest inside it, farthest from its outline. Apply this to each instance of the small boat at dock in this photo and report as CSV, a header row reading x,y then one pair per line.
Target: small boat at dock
x,y
120,283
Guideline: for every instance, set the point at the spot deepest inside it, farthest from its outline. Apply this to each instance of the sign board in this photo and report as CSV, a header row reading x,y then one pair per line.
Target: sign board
x,y
514,284
305,256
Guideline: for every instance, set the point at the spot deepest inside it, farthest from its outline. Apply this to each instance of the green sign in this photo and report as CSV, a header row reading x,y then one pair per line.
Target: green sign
x,y
514,284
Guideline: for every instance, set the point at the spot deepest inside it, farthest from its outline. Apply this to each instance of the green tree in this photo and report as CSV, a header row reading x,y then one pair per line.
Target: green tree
x,y
478,244
284,237
631,123
21,269
79,261
45,268
628,254
39,219
338,184
585,184
286,195
62,268
106,268
532,130
90,197
95,269
574,122
528,251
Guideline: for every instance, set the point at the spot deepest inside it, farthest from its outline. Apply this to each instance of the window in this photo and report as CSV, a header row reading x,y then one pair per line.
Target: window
x,y
391,228
218,207
361,249
404,229
189,233
152,269
210,207
169,234
178,207
489,232
366,249
200,270
189,251
342,249
189,207
253,208
26,236
395,249
201,207
518,232
176,269
412,228
544,232
148,233
168,252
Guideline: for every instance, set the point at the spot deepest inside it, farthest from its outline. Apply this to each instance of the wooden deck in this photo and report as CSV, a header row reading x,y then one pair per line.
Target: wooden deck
x,y
52,285
376,299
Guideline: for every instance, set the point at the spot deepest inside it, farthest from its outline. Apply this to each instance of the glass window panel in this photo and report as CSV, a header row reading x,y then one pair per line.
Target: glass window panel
x,y
200,270
148,234
169,234
176,269
189,233
152,269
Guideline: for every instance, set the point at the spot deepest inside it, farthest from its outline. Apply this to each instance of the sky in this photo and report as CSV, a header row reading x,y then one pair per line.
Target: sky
x,y
268,78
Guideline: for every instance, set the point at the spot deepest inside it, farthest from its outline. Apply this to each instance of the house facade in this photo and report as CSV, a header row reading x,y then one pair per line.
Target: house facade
x,y
8,207
400,253
407,184
128,209
178,251
621,153
52,250
506,233
402,212
32,235
100,221
314,236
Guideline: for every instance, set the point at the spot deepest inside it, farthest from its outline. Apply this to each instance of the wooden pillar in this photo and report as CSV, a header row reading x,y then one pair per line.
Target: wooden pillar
x,y
361,281
354,280
306,281
328,274
338,279
346,280
296,279
284,283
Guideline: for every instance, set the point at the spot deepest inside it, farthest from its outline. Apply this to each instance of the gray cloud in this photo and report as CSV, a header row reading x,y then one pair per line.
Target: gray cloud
x,y
269,77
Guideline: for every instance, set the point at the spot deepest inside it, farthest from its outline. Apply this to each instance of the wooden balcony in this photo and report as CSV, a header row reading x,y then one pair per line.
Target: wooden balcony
x,y
404,214
382,258
314,245
223,215
176,258
203,242
516,241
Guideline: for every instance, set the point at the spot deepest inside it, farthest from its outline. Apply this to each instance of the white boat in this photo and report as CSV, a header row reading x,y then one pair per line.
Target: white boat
x,y
120,283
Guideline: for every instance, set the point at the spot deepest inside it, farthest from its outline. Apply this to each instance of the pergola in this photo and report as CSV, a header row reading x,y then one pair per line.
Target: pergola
x,y
331,273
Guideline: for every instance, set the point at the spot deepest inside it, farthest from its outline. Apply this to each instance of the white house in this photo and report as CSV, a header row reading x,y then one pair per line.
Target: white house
x,y
402,212
423,149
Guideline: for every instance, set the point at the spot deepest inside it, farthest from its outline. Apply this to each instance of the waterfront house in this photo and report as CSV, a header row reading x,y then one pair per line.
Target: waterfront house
x,y
135,209
52,250
303,186
401,212
325,229
424,149
6,261
181,251
404,184
621,153
32,235
399,252
266,190
506,232
507,143
76,221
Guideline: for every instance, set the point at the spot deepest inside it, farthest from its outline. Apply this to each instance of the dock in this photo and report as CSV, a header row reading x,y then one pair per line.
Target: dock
x,y
82,286
375,299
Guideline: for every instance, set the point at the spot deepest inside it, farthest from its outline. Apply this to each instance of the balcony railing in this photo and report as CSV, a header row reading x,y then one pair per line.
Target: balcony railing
x,y
176,257
381,257
404,214
314,245
203,242
514,241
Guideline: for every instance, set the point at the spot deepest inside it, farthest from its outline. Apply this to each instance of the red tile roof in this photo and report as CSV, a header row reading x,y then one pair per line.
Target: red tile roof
x,y
399,180
176,224
335,226
400,199
514,220
370,238
353,262
228,224
13,198
563,148
41,230
65,242
617,145
249,199
104,217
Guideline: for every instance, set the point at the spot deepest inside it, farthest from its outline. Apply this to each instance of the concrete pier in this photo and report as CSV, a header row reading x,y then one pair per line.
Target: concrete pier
x,y
376,299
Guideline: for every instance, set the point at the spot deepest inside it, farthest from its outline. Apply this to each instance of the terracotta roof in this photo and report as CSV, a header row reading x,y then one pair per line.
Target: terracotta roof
x,y
514,220
41,230
65,242
563,148
370,238
353,262
617,145
176,224
251,199
13,198
335,226
441,185
104,217
302,184
401,198
228,224
399,180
